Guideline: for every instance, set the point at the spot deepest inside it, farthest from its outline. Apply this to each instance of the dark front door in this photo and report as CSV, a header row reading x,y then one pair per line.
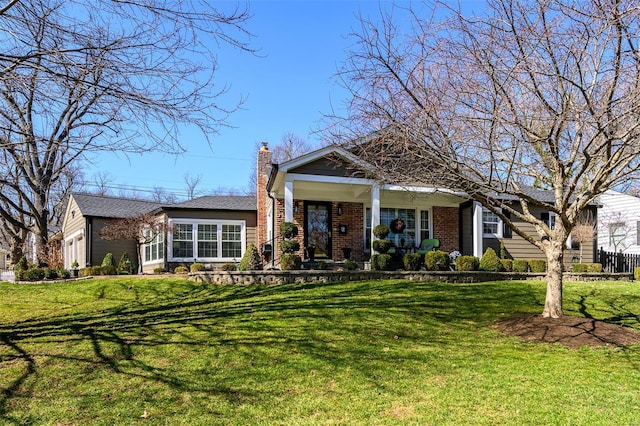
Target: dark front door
x,y
317,216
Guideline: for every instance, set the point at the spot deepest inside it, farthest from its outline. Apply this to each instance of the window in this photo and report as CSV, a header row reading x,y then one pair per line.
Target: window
x,y
491,224
617,233
425,228
183,240
207,240
231,241
154,249
408,236
549,218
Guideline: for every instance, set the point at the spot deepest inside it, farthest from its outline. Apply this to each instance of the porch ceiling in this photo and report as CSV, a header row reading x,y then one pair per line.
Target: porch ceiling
x,y
361,193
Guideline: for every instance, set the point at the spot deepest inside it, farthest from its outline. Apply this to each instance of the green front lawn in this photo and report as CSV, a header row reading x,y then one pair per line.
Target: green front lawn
x,y
169,351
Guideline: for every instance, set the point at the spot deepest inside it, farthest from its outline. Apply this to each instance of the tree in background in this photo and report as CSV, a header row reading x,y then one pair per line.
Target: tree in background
x,y
528,94
82,77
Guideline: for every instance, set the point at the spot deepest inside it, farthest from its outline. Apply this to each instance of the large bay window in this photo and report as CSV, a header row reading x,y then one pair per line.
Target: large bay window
x,y
206,240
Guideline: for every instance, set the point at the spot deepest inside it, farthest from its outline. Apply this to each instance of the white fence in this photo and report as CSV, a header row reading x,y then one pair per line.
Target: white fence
x,y
6,275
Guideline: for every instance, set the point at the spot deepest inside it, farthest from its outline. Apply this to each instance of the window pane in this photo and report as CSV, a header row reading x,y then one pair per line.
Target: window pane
x,y
183,240
425,232
490,222
231,240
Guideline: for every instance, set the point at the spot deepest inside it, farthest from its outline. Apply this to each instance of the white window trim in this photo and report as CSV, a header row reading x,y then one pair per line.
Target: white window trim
x,y
195,222
419,222
500,226
158,259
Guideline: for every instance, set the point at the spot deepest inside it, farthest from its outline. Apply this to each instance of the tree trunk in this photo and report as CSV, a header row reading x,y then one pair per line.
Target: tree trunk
x,y
553,300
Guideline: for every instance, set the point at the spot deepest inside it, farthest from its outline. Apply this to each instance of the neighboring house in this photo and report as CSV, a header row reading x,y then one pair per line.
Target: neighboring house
x,y
334,198
210,229
619,222
3,258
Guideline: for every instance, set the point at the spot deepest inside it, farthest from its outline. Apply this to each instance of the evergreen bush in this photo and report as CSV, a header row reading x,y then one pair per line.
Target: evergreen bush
x,y
180,270
538,265
507,264
20,268
520,265
289,246
288,230
636,273
126,265
350,265
289,262
251,260
437,260
467,263
586,267
63,273
196,267
95,270
33,274
490,261
108,260
229,267
412,261
381,246
381,262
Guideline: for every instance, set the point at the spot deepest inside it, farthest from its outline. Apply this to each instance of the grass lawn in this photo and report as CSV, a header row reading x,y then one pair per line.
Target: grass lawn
x,y
172,352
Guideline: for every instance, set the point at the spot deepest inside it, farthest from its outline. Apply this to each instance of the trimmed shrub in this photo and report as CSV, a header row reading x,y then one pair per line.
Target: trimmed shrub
x,y
381,262
490,261
636,273
289,262
381,231
467,263
503,251
412,261
33,274
321,265
84,272
109,270
181,270
381,246
126,264
50,273
538,265
96,270
63,273
507,265
437,260
289,246
288,230
586,267
350,265
159,270
251,260
196,267
108,260
229,267
520,265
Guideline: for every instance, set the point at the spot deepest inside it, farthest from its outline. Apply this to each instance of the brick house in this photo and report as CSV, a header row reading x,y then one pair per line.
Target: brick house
x,y
336,199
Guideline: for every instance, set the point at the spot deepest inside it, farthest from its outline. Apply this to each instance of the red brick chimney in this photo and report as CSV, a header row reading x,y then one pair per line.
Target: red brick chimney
x,y
262,198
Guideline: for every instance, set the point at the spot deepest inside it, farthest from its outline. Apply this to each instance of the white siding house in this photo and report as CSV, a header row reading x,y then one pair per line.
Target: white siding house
x,y
619,222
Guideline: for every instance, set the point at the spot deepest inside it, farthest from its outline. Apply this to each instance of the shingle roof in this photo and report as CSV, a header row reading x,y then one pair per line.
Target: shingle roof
x,y
112,207
219,202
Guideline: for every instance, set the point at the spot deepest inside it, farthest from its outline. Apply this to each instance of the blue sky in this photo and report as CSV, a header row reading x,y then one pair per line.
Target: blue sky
x,y
289,86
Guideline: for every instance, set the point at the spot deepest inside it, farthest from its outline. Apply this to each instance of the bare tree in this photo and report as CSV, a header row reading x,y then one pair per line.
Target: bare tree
x,y
81,77
584,231
192,183
531,93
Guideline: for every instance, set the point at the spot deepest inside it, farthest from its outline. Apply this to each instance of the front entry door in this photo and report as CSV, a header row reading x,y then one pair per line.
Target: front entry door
x,y
318,226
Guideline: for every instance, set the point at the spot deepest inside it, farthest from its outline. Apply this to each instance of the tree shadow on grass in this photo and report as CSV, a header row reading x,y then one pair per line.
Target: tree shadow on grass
x,y
337,323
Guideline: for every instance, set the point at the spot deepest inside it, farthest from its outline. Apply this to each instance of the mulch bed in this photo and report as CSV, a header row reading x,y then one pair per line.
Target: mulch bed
x,y
569,331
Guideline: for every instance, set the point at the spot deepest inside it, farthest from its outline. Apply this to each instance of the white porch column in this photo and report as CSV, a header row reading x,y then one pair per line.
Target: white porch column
x,y
375,208
288,201
477,229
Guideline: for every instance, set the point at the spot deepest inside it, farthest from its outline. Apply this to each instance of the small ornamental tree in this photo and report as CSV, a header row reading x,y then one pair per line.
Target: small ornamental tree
x,y
142,229
251,260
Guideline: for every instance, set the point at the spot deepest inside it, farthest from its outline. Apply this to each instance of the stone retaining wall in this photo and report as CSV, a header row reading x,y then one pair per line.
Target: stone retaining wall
x,y
288,277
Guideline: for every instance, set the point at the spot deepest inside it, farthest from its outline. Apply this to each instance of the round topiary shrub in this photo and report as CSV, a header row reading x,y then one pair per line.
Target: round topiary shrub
x,y
381,246
490,261
228,267
381,231
381,262
108,270
520,265
33,274
538,265
350,265
63,273
288,230
289,246
467,263
289,262
436,260
180,270
196,267
412,261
